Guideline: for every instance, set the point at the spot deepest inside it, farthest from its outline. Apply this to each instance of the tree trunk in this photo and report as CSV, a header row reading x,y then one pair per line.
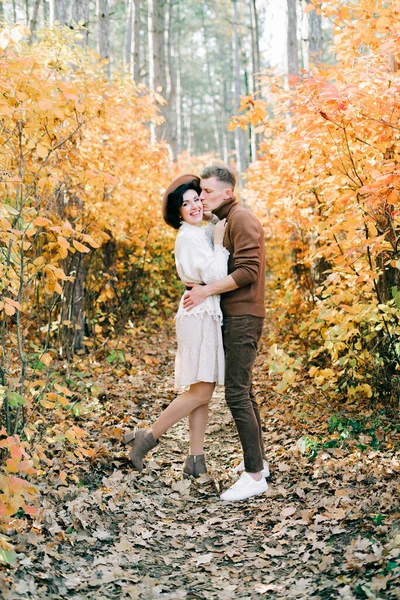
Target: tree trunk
x,y
58,11
171,115
225,146
187,121
72,310
128,36
179,125
159,32
315,42
103,35
157,79
14,5
34,18
79,15
217,126
136,43
154,45
292,44
255,57
45,11
239,133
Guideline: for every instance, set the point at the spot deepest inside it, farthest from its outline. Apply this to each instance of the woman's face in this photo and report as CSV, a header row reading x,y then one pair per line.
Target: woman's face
x,y
191,210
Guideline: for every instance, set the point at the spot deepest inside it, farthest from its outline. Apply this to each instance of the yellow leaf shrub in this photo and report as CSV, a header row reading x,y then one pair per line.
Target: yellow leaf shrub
x,y
80,187
327,186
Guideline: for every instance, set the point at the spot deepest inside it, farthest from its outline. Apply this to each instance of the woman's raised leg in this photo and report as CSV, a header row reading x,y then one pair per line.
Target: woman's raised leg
x,y
199,394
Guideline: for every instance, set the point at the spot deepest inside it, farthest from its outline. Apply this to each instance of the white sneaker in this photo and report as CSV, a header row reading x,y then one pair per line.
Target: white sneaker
x,y
265,472
245,487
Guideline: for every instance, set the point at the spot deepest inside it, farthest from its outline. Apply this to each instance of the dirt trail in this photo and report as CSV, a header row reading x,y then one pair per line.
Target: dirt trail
x,y
118,534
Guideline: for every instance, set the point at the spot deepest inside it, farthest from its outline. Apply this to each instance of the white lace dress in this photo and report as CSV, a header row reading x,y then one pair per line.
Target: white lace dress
x,y
200,354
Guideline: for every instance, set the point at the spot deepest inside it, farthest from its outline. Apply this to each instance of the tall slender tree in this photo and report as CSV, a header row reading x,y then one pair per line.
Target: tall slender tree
x,y
156,51
128,34
34,17
315,40
103,35
239,133
292,42
58,11
256,67
170,109
79,15
45,11
178,67
135,68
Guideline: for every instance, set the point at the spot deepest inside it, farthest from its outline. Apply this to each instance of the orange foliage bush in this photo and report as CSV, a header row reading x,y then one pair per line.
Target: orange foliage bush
x,y
81,235
327,187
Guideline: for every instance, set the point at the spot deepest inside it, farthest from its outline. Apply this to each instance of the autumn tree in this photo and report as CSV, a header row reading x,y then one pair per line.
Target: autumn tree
x,y
292,42
326,182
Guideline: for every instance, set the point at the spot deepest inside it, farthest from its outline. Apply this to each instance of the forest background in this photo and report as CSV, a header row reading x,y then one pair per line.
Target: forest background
x,y
101,104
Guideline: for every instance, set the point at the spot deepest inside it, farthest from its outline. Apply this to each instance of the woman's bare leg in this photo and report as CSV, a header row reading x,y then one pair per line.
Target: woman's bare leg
x,y
197,429
198,395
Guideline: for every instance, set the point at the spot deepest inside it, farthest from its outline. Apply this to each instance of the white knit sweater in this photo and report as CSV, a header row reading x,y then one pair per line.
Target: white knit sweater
x,y
199,261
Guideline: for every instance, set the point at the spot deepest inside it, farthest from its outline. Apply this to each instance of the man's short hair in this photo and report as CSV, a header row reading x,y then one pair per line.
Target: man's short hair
x,y
221,172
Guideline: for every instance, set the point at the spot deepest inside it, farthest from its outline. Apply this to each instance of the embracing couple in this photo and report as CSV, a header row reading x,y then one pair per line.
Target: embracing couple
x,y
223,267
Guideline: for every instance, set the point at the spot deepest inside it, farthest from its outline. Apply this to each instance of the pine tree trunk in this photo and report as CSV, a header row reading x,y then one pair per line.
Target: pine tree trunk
x,y
187,121
179,124
79,14
171,114
129,35
103,39
239,133
255,70
315,42
45,10
58,11
161,80
292,43
136,42
225,147
52,12
211,91
154,45
157,78
34,18
152,58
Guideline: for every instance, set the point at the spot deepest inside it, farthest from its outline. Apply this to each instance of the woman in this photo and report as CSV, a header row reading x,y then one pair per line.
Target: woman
x,y
200,258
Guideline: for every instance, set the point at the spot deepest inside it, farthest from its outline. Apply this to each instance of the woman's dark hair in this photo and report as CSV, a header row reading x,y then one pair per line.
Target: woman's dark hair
x,y
175,201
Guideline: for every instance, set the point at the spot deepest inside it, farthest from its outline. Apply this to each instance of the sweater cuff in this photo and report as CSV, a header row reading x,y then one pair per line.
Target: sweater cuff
x,y
241,277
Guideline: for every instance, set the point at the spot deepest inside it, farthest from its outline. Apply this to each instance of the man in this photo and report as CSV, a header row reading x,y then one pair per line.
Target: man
x,y
242,304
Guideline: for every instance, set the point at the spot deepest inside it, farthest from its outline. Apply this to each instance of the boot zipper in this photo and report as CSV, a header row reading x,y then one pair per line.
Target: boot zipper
x,y
194,465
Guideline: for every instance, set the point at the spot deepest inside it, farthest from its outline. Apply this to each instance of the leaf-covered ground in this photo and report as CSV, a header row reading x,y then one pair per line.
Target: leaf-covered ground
x,y
328,526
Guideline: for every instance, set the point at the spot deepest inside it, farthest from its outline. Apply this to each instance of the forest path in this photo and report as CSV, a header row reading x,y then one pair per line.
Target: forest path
x,y
120,534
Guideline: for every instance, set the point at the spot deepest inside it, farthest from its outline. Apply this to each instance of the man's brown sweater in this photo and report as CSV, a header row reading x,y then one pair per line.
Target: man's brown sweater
x,y
244,238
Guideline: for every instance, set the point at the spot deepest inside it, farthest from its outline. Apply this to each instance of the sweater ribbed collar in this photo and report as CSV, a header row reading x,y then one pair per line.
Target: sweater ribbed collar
x,y
224,209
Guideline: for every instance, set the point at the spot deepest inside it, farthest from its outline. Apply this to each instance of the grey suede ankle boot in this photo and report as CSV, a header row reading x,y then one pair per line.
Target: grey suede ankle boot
x,y
142,443
195,466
